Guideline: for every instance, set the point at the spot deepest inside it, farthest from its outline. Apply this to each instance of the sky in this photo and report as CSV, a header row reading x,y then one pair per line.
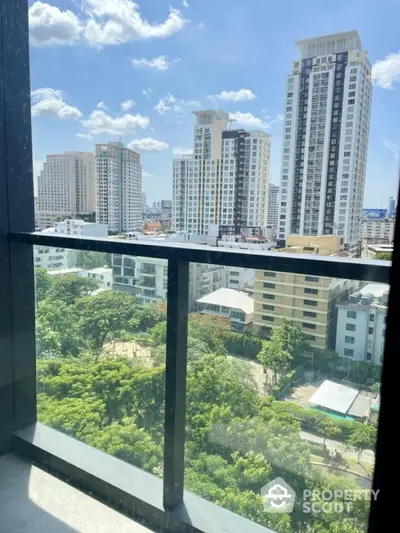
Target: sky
x,y
104,70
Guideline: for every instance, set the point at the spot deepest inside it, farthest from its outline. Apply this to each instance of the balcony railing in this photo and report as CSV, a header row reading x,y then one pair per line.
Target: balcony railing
x,y
162,503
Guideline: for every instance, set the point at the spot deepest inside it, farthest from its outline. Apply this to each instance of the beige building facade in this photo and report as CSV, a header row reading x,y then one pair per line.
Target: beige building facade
x,y
307,301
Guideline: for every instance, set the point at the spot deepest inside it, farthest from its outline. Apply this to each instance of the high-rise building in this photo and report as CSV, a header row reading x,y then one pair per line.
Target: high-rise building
x,y
325,139
273,205
66,187
225,182
118,187
391,212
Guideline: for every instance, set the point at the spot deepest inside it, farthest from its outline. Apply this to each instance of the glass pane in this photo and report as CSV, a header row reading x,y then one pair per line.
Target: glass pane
x,y
283,395
95,329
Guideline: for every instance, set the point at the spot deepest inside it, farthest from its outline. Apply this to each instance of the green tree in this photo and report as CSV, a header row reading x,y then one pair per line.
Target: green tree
x,y
104,313
384,256
273,356
328,428
70,287
57,329
293,339
89,260
43,283
362,437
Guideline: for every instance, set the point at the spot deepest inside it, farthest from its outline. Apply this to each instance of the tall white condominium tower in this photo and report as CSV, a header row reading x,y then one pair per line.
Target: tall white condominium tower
x,y
118,187
225,181
325,139
66,187
273,205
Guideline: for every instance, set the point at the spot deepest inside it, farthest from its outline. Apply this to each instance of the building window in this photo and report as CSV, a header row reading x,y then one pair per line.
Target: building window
x,y
369,356
269,274
351,314
348,352
370,331
268,307
309,314
269,285
371,318
349,340
310,291
268,318
306,325
310,302
311,278
350,327
269,296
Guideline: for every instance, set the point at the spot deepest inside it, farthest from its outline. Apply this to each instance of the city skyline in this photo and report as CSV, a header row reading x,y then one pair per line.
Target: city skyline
x,y
231,77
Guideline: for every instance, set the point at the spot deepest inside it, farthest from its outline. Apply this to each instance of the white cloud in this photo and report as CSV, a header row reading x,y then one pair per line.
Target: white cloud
x,y
386,71
99,122
179,151
158,63
119,21
147,145
102,105
170,103
49,26
185,3
127,104
49,102
279,116
147,93
85,136
146,174
247,119
235,96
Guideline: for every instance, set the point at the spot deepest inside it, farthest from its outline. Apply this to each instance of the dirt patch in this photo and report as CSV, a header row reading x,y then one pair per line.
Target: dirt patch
x,y
130,349
302,394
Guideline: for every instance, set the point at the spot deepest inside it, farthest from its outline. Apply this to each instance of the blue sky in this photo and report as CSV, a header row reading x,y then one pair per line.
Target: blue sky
x,y
165,59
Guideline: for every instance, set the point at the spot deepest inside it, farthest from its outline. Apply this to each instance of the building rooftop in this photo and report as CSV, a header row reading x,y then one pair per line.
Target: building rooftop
x,y
64,271
329,44
100,270
335,397
373,294
229,298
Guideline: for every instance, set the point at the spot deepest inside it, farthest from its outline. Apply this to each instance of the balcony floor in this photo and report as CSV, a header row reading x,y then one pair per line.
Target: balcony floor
x,y
33,501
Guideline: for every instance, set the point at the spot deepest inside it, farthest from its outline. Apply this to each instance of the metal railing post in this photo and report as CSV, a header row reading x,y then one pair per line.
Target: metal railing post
x,y
175,382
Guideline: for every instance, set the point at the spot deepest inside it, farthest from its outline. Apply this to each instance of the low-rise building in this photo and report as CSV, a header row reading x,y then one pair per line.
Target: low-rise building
x,y
379,230
370,250
361,324
147,277
234,305
50,257
103,276
307,301
243,278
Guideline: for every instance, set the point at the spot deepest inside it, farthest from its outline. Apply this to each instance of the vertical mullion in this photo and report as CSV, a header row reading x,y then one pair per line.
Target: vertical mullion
x,y
175,382
387,466
17,205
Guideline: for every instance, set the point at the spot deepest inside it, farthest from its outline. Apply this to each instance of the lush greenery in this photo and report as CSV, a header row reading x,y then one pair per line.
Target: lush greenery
x,y
237,440
384,256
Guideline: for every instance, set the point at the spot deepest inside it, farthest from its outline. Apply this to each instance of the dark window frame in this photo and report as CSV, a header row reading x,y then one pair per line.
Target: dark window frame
x,y
17,318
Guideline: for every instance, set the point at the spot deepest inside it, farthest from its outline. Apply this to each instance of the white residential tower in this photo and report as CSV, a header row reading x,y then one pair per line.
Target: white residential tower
x,y
325,139
118,187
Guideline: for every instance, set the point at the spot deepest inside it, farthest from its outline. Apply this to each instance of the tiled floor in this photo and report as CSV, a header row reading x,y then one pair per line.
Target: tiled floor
x,y
33,501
